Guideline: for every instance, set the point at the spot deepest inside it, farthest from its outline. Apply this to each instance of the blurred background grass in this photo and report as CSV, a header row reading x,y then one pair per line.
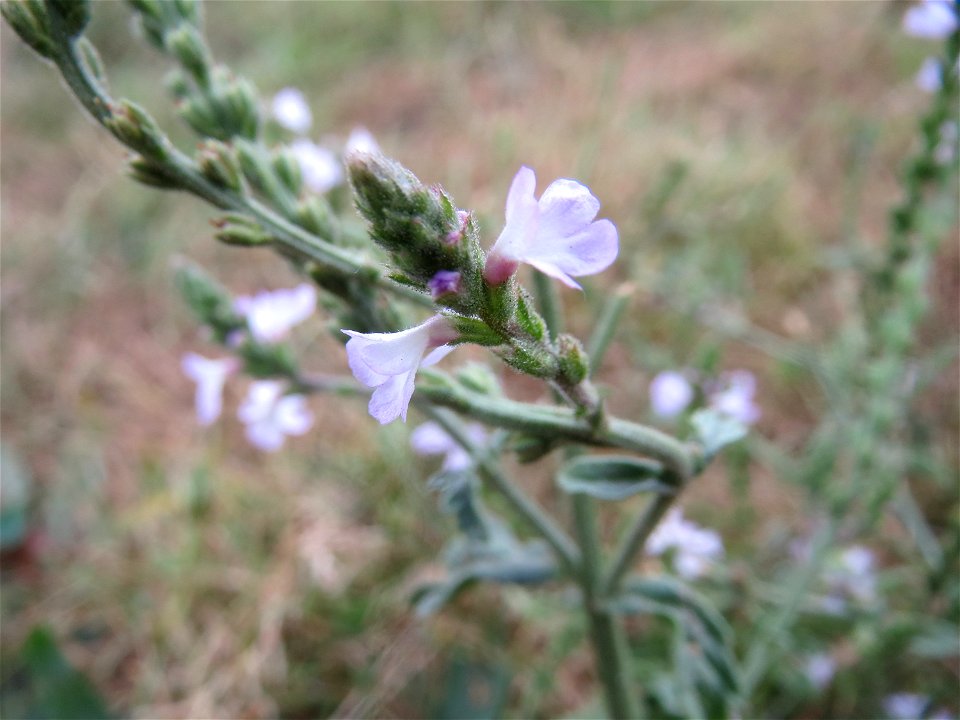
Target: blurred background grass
x,y
743,150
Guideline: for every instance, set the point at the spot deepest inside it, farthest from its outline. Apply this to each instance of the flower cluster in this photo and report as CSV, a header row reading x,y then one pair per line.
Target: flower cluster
x,y
267,412
732,394
434,247
694,547
321,167
931,20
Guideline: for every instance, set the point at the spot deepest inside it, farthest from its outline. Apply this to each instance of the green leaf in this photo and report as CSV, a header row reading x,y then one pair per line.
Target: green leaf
x,y
706,669
715,431
48,686
612,477
525,564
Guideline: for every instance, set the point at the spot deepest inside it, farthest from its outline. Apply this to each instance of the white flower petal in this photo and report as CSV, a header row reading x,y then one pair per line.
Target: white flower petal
x,y
931,19
391,399
290,109
670,394
321,168
210,377
293,417
361,140
431,439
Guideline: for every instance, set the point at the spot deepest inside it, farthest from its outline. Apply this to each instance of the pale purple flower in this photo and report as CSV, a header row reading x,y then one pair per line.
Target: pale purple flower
x,y
670,394
820,669
271,314
210,376
931,19
389,362
694,547
290,109
930,76
431,439
946,150
270,416
321,169
734,397
904,706
443,283
850,574
556,234
362,141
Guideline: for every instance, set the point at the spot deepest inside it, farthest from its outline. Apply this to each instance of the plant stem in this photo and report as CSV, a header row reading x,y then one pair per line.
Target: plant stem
x,y
606,633
633,542
489,471
606,325
554,422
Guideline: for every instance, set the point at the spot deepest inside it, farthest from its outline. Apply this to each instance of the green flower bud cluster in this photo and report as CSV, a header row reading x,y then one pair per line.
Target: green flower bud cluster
x,y
420,228
435,248
212,101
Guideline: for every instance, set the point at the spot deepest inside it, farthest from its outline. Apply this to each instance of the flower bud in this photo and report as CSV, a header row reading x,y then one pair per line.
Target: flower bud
x,y
208,300
132,126
255,167
287,169
28,18
153,174
239,230
408,219
186,44
314,214
574,363
218,164
242,113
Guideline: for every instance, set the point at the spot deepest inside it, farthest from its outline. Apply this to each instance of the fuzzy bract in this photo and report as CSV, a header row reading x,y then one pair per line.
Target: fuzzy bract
x,y
556,234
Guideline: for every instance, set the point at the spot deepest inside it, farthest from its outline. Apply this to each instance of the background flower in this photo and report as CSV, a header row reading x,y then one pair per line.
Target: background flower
x,y
271,416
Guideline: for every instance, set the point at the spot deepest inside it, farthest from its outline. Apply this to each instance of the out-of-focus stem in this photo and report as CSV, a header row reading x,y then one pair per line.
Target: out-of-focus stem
x,y
634,540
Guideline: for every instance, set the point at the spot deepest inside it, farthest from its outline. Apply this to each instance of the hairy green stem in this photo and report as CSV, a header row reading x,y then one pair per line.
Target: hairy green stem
x,y
181,168
554,422
606,631
634,540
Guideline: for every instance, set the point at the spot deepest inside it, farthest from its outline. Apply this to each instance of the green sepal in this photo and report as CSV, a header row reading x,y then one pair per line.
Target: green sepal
x,y
234,229
574,363
473,330
528,318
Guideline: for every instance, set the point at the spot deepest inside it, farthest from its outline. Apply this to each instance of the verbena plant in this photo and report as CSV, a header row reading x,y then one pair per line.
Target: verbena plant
x,y
416,281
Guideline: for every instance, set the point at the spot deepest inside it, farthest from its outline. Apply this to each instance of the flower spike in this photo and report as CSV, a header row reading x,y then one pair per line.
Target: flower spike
x,y
556,234
389,362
